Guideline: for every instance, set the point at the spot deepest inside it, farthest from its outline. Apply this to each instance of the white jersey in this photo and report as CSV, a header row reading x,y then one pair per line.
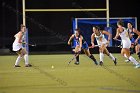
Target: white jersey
x,y
125,38
100,39
16,45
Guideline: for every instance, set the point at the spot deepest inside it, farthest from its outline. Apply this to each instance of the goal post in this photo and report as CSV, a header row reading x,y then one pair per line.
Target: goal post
x,y
24,10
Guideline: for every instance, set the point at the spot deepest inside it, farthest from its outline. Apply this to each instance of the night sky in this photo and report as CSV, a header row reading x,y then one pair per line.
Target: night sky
x,y
59,23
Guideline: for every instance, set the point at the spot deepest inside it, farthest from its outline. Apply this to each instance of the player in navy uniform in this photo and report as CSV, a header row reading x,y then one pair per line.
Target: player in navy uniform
x,y
134,38
80,44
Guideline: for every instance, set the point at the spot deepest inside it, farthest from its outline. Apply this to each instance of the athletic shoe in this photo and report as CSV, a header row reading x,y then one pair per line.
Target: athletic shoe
x,y
17,66
96,63
101,63
28,65
137,66
115,61
127,60
76,63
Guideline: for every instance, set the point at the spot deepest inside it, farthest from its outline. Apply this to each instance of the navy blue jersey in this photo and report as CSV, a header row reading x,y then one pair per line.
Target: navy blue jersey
x,y
76,39
130,31
84,43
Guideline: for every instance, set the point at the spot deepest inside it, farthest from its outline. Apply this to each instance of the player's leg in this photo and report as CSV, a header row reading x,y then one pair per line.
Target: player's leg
x,y
110,55
18,58
132,46
101,50
126,53
132,49
76,51
87,52
26,59
137,49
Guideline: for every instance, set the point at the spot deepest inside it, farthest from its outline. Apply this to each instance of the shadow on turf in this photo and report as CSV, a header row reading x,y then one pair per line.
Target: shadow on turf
x,y
60,81
131,82
76,87
117,89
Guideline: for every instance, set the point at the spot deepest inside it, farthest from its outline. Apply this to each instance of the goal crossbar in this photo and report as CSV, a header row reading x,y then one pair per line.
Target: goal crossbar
x,y
61,10
24,10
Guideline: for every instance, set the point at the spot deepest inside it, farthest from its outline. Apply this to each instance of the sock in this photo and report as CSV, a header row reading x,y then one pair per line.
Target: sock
x,y
138,54
18,60
92,57
26,59
133,60
101,57
111,56
77,58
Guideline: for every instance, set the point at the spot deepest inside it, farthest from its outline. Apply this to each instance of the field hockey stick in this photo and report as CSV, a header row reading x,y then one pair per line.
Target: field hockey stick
x,y
74,58
120,46
32,44
118,40
94,46
28,44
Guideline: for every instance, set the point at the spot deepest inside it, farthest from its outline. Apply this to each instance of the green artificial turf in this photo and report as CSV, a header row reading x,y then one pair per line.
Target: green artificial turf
x,y
83,78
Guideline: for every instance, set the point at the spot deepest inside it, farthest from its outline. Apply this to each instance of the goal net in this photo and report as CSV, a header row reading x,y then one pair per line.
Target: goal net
x,y
85,25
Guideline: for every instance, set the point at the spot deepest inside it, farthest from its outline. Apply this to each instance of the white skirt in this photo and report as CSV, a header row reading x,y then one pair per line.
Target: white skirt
x,y
126,43
104,41
17,46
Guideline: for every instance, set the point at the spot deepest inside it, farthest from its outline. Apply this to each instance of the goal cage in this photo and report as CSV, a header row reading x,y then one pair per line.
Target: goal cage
x,y
86,24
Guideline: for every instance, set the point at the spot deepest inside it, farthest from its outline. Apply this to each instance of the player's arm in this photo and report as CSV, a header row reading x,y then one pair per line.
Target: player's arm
x,y
80,39
92,39
130,34
20,37
117,34
70,39
136,41
108,34
136,31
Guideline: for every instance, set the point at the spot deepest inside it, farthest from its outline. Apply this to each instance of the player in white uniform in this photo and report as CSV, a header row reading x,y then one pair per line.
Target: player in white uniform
x,y
17,47
126,43
102,42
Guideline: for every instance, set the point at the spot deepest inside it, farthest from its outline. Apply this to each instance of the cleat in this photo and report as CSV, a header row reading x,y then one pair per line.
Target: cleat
x,y
17,66
76,63
28,65
96,63
127,60
101,63
137,66
115,61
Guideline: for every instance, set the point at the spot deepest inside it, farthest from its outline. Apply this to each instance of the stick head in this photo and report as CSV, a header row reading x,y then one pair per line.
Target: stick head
x,y
33,45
